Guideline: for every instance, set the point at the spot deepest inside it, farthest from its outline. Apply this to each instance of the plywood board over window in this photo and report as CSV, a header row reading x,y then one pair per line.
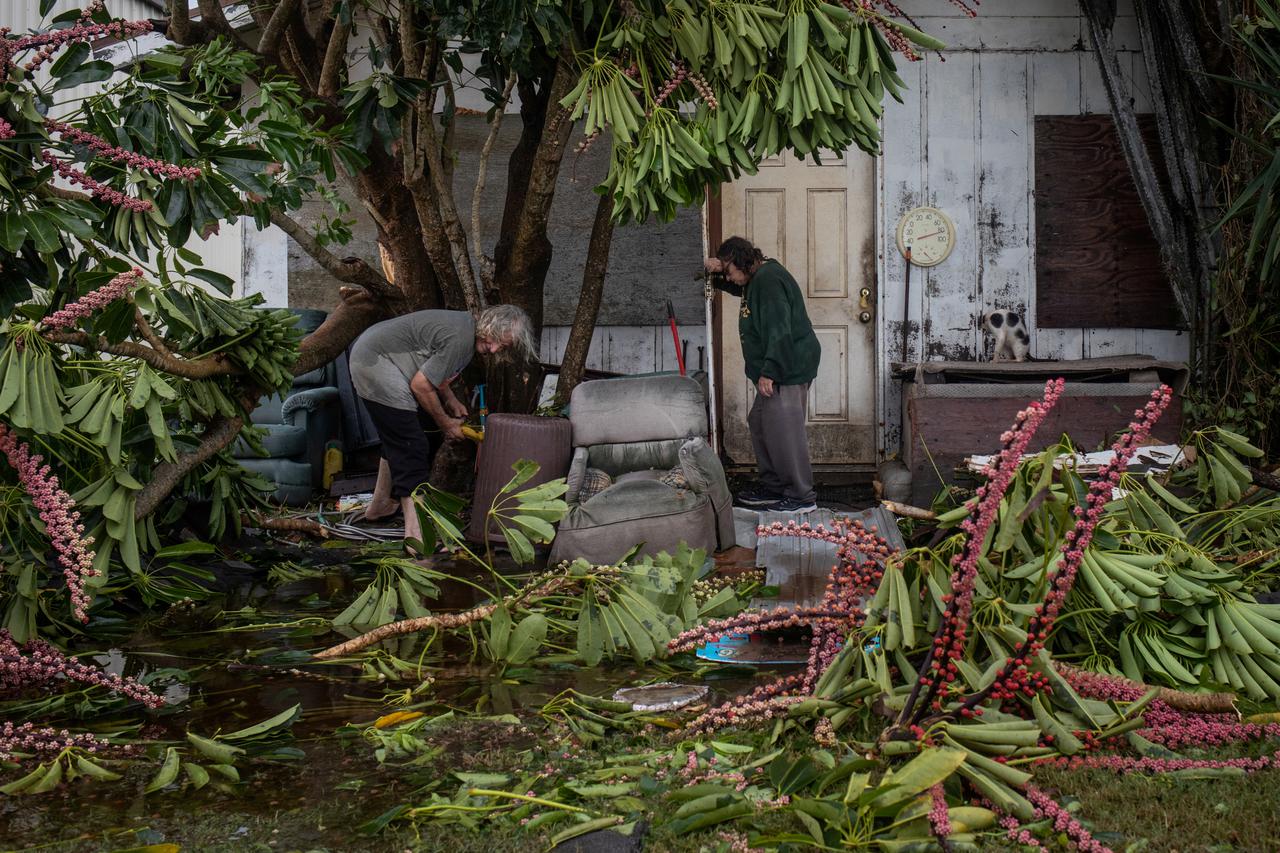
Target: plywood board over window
x,y
1097,262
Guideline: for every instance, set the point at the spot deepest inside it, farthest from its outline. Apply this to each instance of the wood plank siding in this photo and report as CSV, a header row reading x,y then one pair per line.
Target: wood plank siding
x,y
965,141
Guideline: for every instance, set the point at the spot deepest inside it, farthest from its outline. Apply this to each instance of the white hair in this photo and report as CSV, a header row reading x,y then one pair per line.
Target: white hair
x,y
510,325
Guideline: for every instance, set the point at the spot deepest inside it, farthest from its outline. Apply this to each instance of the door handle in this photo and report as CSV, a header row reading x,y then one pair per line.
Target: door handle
x,y
864,298
864,317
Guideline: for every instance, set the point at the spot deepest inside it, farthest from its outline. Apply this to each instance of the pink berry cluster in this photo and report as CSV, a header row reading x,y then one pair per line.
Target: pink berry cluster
x,y
737,842
95,188
704,90
1046,808
30,740
678,73
757,622
106,150
1013,676
1142,764
51,42
37,665
61,520
582,146
6,130
115,289
949,643
1063,822
760,705
1168,726
939,820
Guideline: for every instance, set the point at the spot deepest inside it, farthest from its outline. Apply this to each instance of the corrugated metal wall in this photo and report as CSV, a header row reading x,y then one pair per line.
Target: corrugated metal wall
x,y
963,141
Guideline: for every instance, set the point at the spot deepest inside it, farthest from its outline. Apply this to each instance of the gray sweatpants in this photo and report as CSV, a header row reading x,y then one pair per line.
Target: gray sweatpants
x,y
779,441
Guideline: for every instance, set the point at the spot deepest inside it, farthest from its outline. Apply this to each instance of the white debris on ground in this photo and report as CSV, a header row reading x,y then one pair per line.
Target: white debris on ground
x,y
1157,458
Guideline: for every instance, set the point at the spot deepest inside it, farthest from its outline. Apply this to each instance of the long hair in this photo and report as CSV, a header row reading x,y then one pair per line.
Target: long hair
x,y
740,252
510,324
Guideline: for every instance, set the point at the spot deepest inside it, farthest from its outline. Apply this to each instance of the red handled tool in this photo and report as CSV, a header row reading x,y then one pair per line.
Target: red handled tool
x,y
675,336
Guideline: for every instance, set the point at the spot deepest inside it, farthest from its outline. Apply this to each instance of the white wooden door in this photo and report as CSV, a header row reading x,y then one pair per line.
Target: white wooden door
x,y
819,222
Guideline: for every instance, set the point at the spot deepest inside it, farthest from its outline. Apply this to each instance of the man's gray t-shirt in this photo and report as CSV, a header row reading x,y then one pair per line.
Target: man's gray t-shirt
x,y
384,359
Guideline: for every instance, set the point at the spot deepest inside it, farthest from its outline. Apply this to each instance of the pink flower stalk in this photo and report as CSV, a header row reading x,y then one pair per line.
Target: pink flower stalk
x,y
1015,833
61,520
1048,809
1166,725
1013,677
37,665
939,820
754,623
30,740
106,150
93,301
96,188
51,42
861,552
949,643
6,130
1137,764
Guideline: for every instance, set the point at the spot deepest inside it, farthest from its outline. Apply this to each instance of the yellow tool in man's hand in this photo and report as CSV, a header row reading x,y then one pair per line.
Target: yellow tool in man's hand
x,y
474,433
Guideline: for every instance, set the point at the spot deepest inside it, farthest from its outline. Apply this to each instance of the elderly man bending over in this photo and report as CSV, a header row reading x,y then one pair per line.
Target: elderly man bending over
x,y
402,369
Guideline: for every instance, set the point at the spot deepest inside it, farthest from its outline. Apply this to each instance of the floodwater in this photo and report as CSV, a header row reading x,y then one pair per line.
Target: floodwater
x,y
244,656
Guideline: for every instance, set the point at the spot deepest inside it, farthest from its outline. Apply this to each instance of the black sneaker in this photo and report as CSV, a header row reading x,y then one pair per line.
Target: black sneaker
x,y
757,496
795,505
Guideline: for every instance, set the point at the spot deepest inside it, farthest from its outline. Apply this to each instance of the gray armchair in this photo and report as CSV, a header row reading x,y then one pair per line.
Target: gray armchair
x,y
298,426
642,472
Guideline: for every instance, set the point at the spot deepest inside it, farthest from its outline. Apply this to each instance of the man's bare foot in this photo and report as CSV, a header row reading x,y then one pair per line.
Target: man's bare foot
x,y
381,511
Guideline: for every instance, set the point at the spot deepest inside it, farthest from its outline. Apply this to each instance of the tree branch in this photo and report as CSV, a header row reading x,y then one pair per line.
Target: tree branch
x,y
200,368
334,59
442,620
60,192
483,261
179,28
449,218
574,362
409,41
220,432
269,42
529,251
215,21
350,270
149,334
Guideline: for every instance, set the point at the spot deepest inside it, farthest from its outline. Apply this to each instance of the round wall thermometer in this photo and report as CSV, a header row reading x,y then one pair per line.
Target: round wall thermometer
x,y
928,233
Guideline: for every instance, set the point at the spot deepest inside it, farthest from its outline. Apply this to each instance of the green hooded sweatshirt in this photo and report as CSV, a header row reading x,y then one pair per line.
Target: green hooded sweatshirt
x,y
777,337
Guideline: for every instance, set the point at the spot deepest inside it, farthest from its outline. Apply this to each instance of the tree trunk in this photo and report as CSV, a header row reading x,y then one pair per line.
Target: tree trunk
x,y
584,319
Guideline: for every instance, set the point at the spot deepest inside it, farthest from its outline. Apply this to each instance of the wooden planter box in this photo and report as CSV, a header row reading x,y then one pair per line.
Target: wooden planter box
x,y
952,410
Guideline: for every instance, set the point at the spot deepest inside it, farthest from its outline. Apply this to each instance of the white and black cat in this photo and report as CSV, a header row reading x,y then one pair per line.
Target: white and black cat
x,y
1012,341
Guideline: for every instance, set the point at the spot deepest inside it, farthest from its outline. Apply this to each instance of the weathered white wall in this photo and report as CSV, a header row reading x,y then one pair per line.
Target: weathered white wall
x,y
631,349
963,141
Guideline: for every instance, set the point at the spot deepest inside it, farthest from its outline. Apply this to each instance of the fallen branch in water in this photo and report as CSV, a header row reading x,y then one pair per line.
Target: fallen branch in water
x,y
442,620
291,525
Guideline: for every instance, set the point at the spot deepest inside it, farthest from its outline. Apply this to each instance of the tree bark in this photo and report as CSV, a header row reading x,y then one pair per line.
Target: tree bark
x,y
520,280
165,362
355,312
166,476
574,362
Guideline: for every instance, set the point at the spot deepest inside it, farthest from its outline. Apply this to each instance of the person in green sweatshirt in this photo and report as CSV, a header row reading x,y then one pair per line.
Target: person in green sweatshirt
x,y
781,355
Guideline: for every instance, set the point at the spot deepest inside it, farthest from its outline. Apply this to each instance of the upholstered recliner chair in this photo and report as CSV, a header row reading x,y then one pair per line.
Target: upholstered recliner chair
x,y
642,472
298,426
